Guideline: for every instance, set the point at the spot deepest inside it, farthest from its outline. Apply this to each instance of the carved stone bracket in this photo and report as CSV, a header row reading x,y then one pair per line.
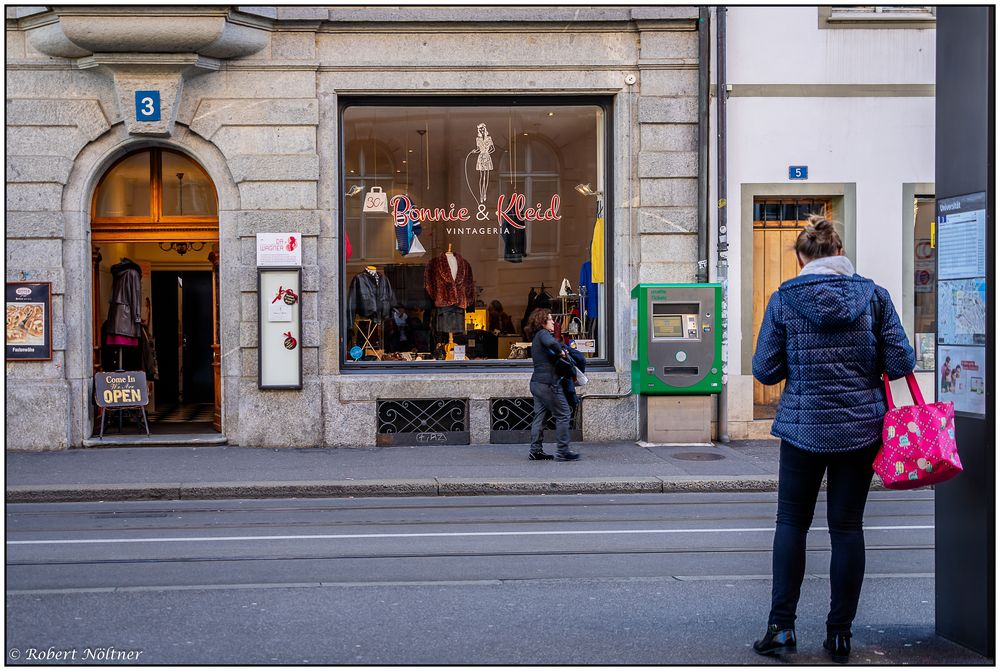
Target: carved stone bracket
x,y
156,51
163,73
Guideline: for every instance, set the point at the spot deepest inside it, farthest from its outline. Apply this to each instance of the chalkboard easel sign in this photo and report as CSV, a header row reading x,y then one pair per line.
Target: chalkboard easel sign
x,y
119,391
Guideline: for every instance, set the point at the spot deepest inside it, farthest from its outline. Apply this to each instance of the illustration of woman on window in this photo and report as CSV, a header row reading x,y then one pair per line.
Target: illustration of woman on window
x,y
484,164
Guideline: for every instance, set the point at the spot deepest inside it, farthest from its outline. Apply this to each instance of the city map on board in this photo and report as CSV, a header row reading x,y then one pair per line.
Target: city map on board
x,y
962,312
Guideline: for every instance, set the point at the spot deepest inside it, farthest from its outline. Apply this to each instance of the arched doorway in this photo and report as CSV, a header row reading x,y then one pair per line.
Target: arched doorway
x,y
155,211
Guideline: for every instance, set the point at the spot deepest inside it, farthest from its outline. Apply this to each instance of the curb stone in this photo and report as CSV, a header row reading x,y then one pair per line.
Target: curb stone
x,y
307,489
109,492
387,487
597,485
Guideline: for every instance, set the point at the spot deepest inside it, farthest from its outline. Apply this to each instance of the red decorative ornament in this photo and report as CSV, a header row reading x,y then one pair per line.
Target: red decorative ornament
x,y
290,341
289,296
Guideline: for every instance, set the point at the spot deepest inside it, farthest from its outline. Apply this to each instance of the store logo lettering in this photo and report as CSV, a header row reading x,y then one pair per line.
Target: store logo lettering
x,y
510,211
525,214
404,212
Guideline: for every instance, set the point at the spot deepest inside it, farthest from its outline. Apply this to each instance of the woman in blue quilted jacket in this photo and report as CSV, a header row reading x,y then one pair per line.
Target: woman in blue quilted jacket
x,y
829,333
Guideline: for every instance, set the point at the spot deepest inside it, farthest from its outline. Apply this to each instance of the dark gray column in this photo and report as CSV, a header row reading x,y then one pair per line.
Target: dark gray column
x,y
965,515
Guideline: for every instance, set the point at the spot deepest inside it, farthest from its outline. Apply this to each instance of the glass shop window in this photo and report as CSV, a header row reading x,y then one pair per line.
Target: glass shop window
x,y
924,282
461,219
155,185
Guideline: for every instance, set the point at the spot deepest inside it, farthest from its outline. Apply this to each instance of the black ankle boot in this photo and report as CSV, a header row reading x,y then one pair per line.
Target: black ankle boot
x,y
776,641
839,647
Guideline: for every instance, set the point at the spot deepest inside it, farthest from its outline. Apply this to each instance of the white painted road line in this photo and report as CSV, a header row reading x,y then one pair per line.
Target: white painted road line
x,y
449,534
495,582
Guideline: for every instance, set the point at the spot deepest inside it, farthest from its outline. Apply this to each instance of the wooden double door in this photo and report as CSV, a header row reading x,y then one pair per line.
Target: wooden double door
x,y
777,224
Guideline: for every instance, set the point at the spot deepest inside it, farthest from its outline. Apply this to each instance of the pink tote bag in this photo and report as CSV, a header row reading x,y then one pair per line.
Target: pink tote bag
x,y
918,442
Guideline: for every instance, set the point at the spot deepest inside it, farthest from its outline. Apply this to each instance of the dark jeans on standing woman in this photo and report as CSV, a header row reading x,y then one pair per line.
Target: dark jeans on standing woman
x,y
848,478
549,400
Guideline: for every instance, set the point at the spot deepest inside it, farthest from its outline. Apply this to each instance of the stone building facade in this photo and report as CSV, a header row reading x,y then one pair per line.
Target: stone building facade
x,y
253,96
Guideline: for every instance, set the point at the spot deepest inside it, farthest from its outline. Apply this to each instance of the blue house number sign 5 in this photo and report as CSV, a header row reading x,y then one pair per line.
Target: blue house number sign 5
x,y
798,172
147,105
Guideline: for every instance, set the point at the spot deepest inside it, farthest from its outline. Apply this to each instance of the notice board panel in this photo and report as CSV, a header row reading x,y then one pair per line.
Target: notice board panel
x,y
962,374
279,333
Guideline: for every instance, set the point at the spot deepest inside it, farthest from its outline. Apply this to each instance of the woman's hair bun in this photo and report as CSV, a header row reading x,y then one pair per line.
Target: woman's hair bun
x,y
818,238
820,224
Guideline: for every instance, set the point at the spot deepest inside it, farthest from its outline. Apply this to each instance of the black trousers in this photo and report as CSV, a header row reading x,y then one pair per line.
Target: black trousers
x,y
550,400
849,477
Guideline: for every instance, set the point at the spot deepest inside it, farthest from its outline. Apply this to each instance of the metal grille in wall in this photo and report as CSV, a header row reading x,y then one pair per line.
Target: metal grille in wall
x,y
424,421
510,421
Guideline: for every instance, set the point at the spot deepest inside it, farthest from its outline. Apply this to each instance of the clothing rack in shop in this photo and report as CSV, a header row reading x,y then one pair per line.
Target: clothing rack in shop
x,y
566,304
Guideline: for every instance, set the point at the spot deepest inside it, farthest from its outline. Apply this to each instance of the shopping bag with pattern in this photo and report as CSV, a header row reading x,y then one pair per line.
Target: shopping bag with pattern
x,y
918,442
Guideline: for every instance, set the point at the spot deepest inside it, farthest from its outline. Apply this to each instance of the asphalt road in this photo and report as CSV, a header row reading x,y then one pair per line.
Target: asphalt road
x,y
627,579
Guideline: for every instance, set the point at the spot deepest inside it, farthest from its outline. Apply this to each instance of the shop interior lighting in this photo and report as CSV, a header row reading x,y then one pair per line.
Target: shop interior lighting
x,y
354,190
586,190
182,248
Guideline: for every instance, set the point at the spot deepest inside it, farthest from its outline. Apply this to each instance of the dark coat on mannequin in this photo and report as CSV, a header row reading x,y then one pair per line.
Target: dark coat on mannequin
x,y
125,313
370,296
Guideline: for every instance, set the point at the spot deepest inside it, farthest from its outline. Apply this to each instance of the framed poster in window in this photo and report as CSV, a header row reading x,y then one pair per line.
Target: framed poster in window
x,y
279,332
29,321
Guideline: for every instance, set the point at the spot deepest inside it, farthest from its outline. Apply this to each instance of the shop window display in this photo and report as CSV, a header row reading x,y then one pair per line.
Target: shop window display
x,y
924,286
460,219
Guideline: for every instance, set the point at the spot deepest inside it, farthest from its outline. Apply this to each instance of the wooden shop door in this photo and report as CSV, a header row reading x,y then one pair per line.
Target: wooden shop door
x,y
777,223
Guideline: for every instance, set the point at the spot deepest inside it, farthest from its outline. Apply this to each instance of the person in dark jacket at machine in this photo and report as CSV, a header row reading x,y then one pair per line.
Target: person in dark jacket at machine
x,y
546,389
830,333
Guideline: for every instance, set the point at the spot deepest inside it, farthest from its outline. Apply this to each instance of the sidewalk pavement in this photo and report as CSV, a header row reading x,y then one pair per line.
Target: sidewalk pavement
x,y
220,472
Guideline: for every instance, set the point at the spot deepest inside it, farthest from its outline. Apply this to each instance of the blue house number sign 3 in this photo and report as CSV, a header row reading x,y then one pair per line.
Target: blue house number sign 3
x,y
147,105
798,172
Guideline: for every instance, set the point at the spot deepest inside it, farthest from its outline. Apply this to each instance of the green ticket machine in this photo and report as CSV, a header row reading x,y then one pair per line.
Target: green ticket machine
x,y
676,359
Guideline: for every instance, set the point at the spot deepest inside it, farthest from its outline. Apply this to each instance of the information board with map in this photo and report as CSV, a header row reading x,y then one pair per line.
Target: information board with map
x,y
961,373
962,312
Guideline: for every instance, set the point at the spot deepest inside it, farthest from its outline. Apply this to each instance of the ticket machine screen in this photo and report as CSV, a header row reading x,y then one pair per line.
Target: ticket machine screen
x,y
675,321
668,326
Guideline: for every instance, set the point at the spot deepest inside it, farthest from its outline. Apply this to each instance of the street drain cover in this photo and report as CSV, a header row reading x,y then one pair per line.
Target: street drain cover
x,y
697,456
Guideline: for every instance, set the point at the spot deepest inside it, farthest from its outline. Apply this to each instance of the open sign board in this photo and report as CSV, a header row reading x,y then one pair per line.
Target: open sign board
x,y
124,389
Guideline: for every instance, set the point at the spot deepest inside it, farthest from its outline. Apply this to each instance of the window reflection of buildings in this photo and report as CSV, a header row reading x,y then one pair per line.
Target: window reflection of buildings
x,y
538,175
371,235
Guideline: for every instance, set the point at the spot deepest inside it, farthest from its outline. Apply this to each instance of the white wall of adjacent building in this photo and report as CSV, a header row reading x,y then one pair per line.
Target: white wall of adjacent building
x,y
873,130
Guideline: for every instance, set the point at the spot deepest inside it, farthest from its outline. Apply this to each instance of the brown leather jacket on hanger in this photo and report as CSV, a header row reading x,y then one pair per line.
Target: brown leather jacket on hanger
x,y
125,313
445,290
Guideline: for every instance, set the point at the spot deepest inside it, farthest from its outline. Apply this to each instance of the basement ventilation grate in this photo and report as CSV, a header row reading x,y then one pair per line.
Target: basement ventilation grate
x,y
430,421
510,422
